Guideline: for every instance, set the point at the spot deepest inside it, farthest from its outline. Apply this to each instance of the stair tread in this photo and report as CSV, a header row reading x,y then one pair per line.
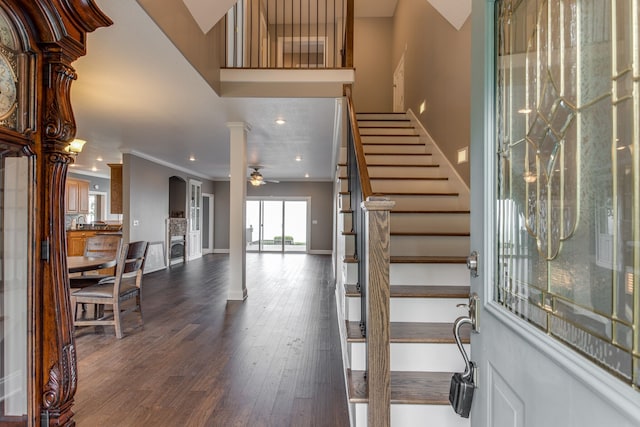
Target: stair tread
x,y
433,211
391,144
414,332
421,388
416,193
398,154
386,127
418,291
408,165
428,260
430,233
409,178
349,260
391,135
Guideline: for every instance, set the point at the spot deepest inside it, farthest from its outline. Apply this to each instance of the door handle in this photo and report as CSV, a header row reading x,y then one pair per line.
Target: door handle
x,y
472,263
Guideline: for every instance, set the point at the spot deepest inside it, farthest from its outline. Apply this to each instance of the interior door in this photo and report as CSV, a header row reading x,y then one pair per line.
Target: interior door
x,y
195,219
555,201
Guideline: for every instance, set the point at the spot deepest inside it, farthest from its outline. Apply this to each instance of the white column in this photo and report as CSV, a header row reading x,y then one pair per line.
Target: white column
x,y
237,195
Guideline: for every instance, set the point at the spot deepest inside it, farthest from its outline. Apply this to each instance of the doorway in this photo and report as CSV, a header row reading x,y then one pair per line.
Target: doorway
x,y
398,87
277,225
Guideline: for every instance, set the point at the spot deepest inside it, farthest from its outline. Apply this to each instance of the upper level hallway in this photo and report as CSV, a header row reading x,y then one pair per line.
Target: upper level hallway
x,y
273,360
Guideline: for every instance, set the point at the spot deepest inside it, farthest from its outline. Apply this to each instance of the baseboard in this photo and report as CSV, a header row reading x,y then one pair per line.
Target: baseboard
x,y
425,134
162,267
220,251
320,252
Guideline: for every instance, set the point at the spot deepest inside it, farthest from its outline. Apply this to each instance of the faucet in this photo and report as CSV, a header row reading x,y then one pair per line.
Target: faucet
x,y
79,218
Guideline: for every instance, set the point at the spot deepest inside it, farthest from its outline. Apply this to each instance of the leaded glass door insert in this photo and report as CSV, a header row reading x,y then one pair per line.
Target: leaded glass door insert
x,y
567,111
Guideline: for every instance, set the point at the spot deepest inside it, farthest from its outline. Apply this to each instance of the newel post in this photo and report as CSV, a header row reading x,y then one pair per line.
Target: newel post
x,y
377,232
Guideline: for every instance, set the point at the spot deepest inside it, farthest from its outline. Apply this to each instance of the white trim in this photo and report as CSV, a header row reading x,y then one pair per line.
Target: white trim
x,y
425,134
211,221
339,119
296,75
318,252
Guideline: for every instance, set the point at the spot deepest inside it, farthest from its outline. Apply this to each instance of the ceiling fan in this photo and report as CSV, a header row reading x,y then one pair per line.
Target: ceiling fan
x,y
256,179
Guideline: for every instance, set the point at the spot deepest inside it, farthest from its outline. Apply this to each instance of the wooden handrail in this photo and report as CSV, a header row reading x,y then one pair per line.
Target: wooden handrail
x,y
363,173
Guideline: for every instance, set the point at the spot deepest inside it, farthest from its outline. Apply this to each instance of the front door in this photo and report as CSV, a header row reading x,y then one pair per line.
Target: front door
x,y
555,175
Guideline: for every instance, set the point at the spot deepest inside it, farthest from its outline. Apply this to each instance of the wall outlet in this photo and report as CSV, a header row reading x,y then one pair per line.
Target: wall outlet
x,y
136,223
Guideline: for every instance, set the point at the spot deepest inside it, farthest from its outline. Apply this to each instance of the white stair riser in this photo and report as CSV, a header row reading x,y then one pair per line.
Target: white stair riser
x,y
349,245
404,159
389,130
414,357
415,309
384,149
346,221
417,186
428,274
404,171
350,272
415,416
429,245
431,202
443,222
371,122
389,139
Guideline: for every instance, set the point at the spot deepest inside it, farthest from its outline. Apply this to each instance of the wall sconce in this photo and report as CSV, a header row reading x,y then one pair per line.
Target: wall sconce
x,y
75,146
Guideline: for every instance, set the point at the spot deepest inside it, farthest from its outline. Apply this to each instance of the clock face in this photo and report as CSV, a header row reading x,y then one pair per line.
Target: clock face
x,y
8,88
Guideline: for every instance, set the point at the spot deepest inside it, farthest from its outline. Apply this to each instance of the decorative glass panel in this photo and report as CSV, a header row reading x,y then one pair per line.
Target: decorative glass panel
x,y
14,281
568,124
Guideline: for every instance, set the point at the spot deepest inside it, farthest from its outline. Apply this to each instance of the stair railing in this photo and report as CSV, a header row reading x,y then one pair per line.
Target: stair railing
x,y
371,227
292,34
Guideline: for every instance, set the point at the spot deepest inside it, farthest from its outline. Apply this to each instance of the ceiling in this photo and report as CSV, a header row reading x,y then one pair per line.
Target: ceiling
x,y
136,93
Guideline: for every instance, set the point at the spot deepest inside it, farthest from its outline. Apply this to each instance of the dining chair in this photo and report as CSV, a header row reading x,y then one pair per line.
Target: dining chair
x,y
124,286
98,246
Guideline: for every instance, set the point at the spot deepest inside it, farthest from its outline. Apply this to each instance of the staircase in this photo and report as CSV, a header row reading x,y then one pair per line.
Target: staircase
x,y
429,244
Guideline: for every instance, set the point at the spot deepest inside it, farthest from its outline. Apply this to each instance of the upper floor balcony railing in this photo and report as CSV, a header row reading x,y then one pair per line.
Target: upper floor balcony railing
x,y
290,34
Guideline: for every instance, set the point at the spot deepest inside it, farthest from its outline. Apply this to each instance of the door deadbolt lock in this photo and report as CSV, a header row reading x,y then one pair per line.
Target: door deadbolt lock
x,y
472,263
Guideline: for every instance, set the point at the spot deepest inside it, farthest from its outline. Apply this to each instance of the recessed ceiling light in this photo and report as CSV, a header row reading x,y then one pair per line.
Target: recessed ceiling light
x,y
298,158
94,169
306,175
99,159
192,158
524,110
280,121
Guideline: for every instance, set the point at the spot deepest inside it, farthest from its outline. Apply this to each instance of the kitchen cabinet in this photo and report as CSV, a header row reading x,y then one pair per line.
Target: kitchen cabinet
x,y
76,240
77,196
116,187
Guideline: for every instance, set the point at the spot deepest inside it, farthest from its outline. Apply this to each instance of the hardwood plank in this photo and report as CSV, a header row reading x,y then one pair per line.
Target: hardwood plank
x,y
428,260
414,332
200,360
426,388
429,233
418,291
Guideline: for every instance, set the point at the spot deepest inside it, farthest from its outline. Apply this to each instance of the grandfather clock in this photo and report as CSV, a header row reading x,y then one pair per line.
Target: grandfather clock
x,y
39,40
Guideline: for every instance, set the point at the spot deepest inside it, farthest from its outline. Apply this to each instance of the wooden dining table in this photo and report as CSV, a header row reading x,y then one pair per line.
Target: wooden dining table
x,y
79,264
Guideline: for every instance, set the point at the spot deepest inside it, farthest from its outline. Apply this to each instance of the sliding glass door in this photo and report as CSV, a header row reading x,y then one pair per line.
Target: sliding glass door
x,y
277,225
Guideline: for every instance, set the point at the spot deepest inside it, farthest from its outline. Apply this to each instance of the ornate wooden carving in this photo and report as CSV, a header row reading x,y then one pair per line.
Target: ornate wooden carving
x,y
55,32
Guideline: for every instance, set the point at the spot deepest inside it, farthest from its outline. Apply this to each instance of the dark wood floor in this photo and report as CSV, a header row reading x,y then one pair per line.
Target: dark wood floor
x,y
273,360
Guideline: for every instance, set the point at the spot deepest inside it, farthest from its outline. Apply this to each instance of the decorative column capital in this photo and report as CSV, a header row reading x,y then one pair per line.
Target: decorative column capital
x,y
377,203
239,125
